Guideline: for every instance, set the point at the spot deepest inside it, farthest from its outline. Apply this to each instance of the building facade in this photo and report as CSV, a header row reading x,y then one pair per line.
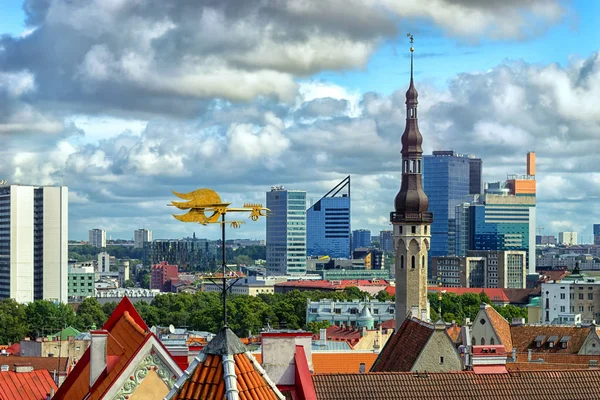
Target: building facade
x,y
161,274
482,269
349,313
573,299
411,220
328,223
386,241
286,232
81,283
188,254
448,177
596,230
34,243
141,236
97,238
361,238
567,238
249,285
103,262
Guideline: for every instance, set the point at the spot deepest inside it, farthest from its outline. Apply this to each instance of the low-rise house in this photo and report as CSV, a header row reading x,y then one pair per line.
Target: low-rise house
x,y
124,360
418,346
490,328
350,313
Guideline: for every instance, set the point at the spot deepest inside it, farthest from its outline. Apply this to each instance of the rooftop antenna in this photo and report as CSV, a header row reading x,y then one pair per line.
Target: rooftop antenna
x,y
412,50
205,207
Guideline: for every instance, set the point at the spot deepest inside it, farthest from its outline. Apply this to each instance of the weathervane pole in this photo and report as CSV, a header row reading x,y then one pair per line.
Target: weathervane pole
x,y
205,207
224,270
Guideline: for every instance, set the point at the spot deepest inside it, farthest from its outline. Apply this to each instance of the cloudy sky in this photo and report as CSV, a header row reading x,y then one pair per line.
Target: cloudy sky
x,y
123,100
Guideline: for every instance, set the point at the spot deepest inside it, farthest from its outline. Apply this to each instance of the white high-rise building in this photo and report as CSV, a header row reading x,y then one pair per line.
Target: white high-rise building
x,y
34,242
103,262
97,238
286,232
567,238
141,236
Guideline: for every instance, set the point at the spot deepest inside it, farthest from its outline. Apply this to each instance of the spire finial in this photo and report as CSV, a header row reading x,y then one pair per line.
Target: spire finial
x,y
412,50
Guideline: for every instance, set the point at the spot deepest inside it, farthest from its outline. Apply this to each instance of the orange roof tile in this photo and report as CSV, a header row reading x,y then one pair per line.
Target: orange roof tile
x,y
34,385
127,334
453,332
501,326
339,361
558,358
205,378
50,364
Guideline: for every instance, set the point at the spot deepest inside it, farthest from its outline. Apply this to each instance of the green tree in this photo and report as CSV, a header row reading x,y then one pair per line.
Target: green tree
x,y
145,280
90,313
383,295
316,326
129,283
13,321
45,317
109,307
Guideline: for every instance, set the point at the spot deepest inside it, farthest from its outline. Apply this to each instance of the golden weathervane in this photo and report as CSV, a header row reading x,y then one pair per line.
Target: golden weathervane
x,y
206,207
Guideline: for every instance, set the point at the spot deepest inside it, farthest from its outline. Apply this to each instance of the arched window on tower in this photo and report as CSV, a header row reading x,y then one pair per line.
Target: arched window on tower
x,y
422,261
483,341
401,262
413,262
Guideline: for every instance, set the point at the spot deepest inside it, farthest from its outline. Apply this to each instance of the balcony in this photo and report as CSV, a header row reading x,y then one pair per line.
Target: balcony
x,y
411,217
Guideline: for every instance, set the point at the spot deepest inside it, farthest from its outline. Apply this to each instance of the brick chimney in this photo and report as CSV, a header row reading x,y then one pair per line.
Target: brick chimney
x,y
97,354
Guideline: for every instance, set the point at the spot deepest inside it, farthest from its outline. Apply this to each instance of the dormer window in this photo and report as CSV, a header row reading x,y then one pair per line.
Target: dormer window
x,y
539,340
564,341
552,341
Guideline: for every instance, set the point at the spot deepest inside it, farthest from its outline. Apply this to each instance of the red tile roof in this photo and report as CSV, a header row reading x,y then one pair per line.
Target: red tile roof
x,y
337,333
523,338
453,332
389,324
522,385
49,364
128,332
501,327
402,350
496,295
34,385
333,285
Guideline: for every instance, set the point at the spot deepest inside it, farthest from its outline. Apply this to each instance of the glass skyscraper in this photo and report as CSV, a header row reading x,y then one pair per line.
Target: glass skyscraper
x,y
361,238
286,232
328,223
448,178
596,233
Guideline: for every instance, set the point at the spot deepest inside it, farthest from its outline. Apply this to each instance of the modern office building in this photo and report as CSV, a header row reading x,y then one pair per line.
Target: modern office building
x,y
504,217
188,254
361,238
97,238
386,241
448,177
286,232
141,236
328,223
373,259
597,234
567,238
81,283
503,269
545,240
34,243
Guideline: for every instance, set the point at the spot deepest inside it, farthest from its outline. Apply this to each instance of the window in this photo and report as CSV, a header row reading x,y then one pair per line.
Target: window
x,y
580,296
413,229
441,360
400,229
580,308
590,296
562,296
401,262
413,262
426,229
562,308
482,341
482,321
492,341
337,310
422,261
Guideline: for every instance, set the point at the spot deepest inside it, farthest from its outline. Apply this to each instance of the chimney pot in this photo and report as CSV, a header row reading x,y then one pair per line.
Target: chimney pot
x,y
97,354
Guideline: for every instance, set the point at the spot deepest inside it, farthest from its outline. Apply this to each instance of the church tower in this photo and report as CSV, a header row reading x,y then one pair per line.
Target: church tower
x,y
411,220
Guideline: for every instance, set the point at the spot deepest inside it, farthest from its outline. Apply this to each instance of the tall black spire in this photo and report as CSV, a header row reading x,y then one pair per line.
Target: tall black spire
x,y
411,198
